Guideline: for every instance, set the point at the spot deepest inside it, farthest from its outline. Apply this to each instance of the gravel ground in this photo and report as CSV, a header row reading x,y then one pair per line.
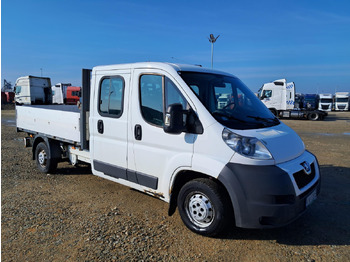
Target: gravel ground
x,y
74,216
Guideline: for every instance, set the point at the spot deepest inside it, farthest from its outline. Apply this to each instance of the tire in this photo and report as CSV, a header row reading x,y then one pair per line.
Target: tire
x,y
313,116
203,207
43,159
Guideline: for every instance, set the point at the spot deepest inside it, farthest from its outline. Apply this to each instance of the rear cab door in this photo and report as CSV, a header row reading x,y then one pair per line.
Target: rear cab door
x,y
108,123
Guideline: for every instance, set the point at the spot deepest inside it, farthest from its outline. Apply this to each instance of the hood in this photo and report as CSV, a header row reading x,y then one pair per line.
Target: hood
x,y
283,142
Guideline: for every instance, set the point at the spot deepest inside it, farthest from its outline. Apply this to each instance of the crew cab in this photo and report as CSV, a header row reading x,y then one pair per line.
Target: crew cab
x,y
161,128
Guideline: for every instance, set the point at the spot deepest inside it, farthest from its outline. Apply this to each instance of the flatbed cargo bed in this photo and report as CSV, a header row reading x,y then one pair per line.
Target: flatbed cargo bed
x,y
61,122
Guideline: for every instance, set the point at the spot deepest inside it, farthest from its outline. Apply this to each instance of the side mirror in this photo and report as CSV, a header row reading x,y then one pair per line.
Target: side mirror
x,y
173,122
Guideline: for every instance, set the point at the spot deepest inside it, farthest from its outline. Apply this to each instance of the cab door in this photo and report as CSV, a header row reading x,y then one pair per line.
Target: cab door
x,y
108,124
156,155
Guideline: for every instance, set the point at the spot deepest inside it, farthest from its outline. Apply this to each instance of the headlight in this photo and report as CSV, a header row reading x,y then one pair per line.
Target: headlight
x,y
246,146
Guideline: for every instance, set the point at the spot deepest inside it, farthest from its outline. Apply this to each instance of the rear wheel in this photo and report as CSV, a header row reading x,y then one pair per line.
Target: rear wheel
x,y
203,207
43,159
313,116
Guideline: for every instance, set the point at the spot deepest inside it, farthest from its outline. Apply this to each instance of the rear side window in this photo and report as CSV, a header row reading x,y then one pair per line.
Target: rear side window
x,y
111,96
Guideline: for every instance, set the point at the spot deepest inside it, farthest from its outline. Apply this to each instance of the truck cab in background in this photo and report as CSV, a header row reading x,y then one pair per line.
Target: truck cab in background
x,y
279,97
59,93
33,90
325,102
73,95
341,101
311,101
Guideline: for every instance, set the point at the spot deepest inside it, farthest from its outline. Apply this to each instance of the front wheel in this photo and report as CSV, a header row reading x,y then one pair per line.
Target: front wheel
x,y
203,207
43,159
313,116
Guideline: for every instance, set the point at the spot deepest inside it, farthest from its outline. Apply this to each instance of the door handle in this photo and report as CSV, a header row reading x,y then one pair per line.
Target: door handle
x,y
100,126
138,132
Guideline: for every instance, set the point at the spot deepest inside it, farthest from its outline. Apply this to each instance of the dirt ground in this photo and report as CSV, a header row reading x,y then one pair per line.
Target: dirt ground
x,y
74,216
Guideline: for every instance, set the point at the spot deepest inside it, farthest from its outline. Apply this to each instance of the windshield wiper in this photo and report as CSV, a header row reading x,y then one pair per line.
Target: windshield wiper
x,y
228,116
266,120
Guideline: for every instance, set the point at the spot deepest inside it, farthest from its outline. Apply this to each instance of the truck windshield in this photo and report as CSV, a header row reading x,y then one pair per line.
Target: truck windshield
x,y
341,100
310,99
326,100
229,101
18,90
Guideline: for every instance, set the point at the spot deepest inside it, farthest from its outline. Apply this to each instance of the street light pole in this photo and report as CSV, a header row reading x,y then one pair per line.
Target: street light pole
x,y
212,40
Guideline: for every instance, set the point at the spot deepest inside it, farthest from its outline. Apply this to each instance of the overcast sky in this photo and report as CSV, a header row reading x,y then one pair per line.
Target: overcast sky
x,y
307,42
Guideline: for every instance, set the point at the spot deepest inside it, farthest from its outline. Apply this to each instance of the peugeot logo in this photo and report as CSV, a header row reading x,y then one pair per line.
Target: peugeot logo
x,y
307,168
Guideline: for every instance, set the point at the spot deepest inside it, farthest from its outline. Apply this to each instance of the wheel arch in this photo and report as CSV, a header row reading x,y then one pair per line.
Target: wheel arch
x,y
181,179
52,145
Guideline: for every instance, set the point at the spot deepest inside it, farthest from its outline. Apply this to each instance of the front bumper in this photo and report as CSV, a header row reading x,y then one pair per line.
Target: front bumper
x,y
271,196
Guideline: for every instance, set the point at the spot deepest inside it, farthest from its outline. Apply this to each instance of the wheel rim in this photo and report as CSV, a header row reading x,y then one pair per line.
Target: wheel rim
x,y
42,158
199,209
314,116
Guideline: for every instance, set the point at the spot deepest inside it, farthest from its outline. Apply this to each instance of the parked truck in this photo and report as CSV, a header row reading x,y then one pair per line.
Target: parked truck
x,y
311,101
279,97
73,95
326,102
158,128
59,93
33,90
341,101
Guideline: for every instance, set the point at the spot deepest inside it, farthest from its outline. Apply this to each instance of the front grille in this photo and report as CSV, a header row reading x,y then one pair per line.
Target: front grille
x,y
341,107
325,106
302,179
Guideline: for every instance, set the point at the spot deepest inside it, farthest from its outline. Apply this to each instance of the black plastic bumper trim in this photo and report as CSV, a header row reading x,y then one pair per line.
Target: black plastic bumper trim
x,y
263,196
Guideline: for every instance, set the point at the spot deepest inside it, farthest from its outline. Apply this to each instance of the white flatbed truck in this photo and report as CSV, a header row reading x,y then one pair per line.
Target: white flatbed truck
x,y
160,128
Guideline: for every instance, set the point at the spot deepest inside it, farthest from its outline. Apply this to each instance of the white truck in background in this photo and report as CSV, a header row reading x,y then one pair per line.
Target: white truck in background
x,y
59,93
158,128
325,102
279,97
33,90
341,101
223,100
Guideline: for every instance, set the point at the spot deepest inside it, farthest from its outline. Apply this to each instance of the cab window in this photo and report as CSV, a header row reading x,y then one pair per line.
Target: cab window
x,y
157,92
267,94
111,96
